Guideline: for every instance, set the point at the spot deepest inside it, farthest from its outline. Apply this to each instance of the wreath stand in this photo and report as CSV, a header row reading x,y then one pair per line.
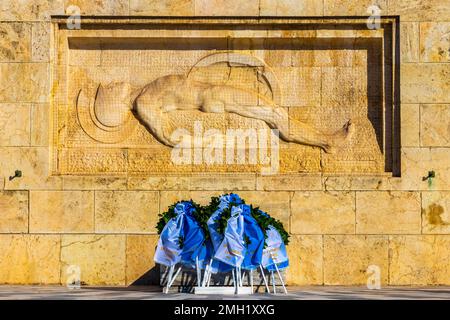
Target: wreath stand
x,y
203,283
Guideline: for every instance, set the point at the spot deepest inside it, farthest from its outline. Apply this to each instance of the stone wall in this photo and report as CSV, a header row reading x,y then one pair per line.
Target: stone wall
x,y
340,224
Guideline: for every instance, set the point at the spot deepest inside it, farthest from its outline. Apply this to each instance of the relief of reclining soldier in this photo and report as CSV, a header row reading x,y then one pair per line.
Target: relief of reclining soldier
x,y
173,93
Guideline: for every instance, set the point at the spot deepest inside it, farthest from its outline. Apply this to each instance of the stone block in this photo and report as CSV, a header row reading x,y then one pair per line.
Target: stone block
x,y
409,41
105,7
162,7
34,164
126,211
435,41
168,198
100,258
348,257
14,124
436,212
291,8
94,183
30,259
418,162
24,82
323,213
14,211
420,10
226,8
410,126
352,7
289,182
61,211
425,83
305,260
230,182
40,42
381,212
419,260
140,268
276,204
165,182
15,42
40,125
435,125
30,10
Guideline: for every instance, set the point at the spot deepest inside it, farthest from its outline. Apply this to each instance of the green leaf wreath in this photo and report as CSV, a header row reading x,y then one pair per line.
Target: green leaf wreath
x,y
203,213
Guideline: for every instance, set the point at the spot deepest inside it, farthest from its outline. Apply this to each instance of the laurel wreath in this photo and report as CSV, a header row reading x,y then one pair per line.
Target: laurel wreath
x,y
203,213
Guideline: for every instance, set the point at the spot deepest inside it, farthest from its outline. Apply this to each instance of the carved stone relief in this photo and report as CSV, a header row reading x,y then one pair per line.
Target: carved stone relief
x,y
123,98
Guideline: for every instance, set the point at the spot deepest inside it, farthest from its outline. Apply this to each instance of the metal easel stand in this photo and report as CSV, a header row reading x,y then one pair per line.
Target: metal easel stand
x,y
203,286
171,277
279,275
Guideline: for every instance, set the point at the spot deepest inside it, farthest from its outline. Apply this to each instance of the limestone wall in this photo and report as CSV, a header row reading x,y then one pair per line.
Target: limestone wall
x,y
340,223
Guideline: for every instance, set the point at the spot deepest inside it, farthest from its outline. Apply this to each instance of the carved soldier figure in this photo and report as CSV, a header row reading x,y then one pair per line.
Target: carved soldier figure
x,y
177,92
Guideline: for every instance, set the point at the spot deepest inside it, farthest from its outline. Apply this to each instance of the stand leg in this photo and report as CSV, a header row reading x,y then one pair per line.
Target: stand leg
x,y
199,272
251,279
264,278
169,280
273,283
175,276
234,281
279,275
205,275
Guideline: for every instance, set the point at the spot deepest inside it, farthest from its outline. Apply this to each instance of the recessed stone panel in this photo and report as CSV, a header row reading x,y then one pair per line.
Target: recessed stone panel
x,y
127,98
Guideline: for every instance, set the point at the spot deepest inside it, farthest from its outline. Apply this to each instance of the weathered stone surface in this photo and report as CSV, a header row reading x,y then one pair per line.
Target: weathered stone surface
x,y
226,8
347,257
14,211
162,7
410,126
24,82
101,258
15,42
417,162
105,7
61,211
223,182
394,212
289,182
159,183
290,8
140,268
303,83
352,7
435,41
40,124
28,10
323,213
14,124
425,83
436,212
94,183
409,41
168,198
40,42
305,260
30,259
276,204
420,10
34,164
419,260
435,125
356,183
126,211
